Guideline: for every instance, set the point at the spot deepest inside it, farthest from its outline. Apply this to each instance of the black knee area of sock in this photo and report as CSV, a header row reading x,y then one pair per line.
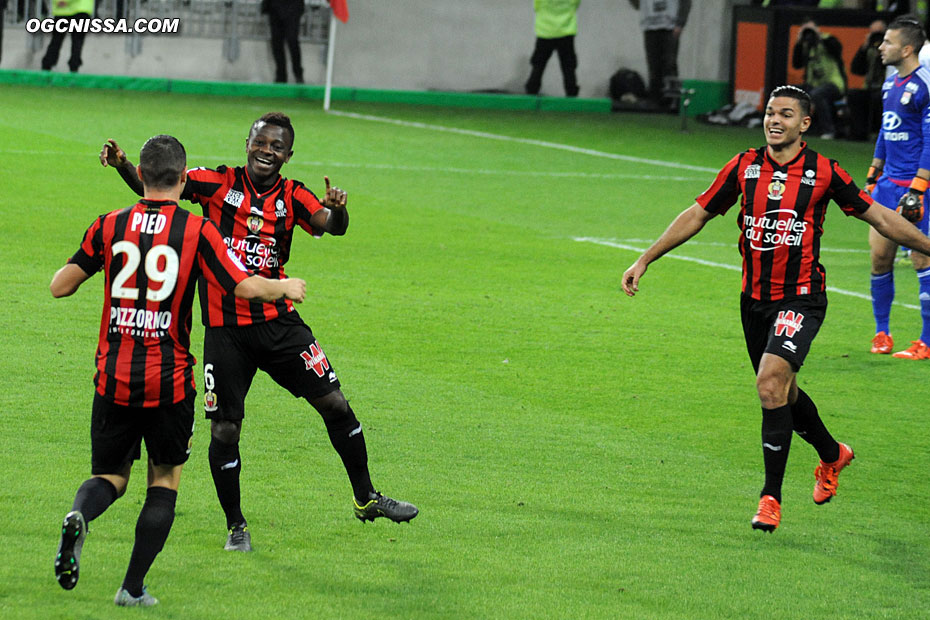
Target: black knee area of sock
x,y
342,424
777,424
803,411
225,431
94,497
157,515
220,451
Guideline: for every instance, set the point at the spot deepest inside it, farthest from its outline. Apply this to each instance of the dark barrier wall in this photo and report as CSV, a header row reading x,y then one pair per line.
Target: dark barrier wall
x,y
763,40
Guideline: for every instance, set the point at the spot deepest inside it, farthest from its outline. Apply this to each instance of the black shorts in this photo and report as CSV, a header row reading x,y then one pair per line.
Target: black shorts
x,y
117,432
785,327
284,348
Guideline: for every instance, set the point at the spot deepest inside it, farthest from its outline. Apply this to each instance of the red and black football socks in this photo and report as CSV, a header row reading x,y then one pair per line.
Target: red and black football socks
x,y
94,497
225,465
152,529
809,426
345,433
776,442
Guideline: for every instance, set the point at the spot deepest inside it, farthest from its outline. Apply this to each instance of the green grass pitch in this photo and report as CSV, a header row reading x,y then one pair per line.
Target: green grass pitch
x,y
574,453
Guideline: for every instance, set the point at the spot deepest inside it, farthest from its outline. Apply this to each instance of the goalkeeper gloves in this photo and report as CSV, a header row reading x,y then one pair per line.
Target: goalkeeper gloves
x,y
911,205
871,178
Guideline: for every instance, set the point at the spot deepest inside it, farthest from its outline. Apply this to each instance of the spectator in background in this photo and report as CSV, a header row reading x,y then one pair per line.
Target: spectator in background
x,y
2,9
556,26
662,22
284,19
67,10
821,57
865,105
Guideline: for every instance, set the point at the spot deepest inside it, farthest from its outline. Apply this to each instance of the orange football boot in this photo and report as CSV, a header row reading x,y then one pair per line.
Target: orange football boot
x,y
882,343
917,351
768,515
828,473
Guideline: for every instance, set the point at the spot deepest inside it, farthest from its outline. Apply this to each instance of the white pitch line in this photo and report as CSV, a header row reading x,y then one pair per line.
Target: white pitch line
x,y
529,141
721,244
400,167
486,171
707,263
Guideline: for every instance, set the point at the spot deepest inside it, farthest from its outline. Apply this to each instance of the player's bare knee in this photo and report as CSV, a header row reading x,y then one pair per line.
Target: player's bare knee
x,y
225,431
773,391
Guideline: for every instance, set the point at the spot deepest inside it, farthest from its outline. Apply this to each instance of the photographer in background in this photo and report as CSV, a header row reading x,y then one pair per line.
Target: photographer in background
x,y
821,57
865,105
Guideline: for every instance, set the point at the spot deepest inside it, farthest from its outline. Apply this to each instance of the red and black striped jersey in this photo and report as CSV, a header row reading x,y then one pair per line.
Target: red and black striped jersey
x,y
781,217
152,254
258,227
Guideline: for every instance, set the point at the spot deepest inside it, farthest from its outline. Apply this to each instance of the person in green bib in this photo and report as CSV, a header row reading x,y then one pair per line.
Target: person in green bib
x,y
556,27
67,10
821,56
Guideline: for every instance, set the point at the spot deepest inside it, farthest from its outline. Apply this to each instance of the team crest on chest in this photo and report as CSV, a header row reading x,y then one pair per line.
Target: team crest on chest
x,y
777,186
254,223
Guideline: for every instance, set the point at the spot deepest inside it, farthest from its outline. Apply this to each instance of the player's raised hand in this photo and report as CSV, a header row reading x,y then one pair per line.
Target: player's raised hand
x,y
295,289
335,197
631,278
111,154
911,206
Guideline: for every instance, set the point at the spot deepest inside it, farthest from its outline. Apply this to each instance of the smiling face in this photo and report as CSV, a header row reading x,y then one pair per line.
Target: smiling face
x,y
267,149
784,123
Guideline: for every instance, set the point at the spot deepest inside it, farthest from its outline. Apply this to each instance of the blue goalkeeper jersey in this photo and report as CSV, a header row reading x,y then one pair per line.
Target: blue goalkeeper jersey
x,y
904,141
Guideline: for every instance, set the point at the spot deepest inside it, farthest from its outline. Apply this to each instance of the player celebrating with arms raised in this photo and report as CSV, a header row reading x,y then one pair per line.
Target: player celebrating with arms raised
x,y
257,211
785,190
898,176
151,254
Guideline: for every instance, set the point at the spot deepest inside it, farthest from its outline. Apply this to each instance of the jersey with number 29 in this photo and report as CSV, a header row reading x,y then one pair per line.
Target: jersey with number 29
x,y
152,255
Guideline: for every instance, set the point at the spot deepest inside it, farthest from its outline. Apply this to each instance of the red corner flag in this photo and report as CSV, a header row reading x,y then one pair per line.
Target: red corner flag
x,y
340,10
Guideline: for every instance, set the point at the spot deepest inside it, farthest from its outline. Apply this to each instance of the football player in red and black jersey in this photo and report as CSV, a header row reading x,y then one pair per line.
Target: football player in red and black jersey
x,y
151,253
785,189
257,211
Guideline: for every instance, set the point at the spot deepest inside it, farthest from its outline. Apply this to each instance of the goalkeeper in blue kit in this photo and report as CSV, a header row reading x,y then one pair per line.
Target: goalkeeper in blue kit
x,y
898,176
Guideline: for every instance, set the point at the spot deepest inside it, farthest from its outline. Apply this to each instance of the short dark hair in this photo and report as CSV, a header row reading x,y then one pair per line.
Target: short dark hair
x,y
912,32
162,161
275,118
803,99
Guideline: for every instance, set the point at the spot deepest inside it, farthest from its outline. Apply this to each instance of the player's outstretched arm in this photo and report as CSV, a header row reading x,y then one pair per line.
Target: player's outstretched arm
x,y
334,219
892,225
262,289
67,280
112,155
688,223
